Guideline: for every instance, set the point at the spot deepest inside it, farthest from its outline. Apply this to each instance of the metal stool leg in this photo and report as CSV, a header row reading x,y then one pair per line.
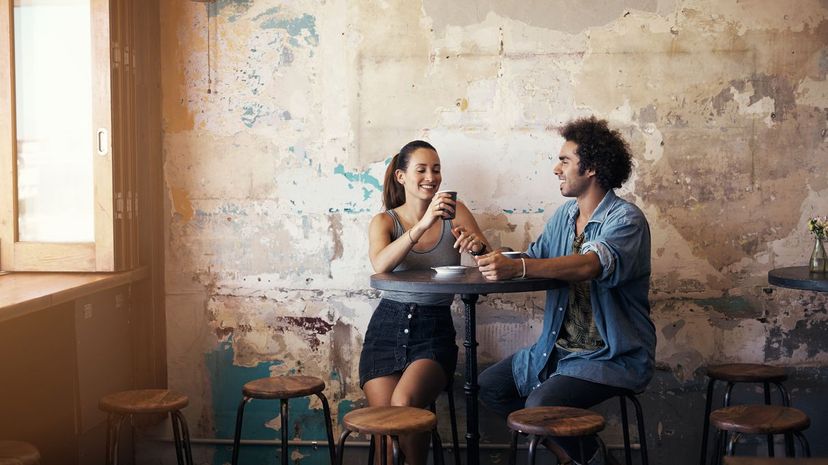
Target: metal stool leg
x,y
384,451
185,436
237,436
731,445
437,447
179,453
513,448
533,447
341,448
803,443
284,414
396,452
719,449
728,391
642,433
766,392
372,448
626,430
113,432
706,428
328,427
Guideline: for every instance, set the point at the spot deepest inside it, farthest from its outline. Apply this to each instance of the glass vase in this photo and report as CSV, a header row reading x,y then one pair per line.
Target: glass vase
x,y
819,260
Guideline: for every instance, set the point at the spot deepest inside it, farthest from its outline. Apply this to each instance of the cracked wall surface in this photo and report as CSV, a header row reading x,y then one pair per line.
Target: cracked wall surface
x,y
279,119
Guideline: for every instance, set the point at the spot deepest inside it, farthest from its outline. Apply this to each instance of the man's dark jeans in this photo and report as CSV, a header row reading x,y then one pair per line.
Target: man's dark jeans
x,y
499,393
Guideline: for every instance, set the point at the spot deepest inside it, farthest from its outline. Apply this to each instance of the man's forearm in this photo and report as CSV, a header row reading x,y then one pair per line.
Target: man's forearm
x,y
570,268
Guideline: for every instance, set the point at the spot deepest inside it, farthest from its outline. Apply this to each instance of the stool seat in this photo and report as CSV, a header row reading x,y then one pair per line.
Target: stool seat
x,y
555,421
390,421
759,419
283,387
143,401
747,373
18,453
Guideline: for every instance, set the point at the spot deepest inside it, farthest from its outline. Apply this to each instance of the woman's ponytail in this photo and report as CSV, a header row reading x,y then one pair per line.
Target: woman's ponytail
x,y
393,194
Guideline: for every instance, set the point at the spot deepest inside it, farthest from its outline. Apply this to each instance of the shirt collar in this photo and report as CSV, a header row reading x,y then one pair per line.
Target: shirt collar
x,y
600,213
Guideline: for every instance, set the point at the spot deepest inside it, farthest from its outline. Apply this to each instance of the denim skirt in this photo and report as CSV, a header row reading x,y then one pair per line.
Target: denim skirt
x,y
400,333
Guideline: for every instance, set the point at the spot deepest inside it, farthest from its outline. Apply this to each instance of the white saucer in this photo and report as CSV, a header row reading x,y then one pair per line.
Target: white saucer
x,y
449,270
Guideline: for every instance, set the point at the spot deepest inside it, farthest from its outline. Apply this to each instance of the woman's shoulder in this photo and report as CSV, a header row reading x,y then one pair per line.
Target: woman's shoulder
x,y
383,219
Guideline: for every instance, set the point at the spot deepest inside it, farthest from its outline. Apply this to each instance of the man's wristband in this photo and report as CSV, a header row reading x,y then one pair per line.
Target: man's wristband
x,y
479,252
523,262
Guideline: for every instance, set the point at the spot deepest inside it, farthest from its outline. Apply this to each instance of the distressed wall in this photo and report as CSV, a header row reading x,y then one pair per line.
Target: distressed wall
x,y
279,118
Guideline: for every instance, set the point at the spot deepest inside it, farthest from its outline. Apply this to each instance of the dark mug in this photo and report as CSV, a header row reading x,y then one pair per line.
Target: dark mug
x,y
453,195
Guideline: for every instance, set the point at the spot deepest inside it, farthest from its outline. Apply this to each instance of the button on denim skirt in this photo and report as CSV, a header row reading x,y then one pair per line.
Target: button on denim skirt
x,y
400,333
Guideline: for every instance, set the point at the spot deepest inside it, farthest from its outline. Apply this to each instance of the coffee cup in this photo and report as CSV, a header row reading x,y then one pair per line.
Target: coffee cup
x,y
453,195
513,255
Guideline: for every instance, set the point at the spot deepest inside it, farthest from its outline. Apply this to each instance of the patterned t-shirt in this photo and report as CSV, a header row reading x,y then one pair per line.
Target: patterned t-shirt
x,y
578,332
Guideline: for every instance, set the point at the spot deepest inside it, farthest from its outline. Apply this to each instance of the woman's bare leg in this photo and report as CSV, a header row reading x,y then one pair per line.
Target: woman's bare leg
x,y
419,386
378,391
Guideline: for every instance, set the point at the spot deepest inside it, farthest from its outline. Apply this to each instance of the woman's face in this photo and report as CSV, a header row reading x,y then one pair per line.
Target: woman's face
x,y
422,177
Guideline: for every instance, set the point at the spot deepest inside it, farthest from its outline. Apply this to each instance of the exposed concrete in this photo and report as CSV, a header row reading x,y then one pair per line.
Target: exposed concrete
x,y
274,175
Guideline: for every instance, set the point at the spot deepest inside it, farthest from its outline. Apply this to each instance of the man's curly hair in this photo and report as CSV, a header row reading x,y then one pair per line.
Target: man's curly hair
x,y
600,149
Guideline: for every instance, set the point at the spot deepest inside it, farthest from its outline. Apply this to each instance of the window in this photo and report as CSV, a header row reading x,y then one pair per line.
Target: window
x,y
67,136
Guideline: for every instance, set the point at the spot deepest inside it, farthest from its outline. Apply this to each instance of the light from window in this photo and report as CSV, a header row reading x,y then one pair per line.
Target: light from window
x,y
53,107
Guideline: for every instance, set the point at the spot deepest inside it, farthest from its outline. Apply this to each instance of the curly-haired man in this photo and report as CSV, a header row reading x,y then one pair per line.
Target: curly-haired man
x,y
597,340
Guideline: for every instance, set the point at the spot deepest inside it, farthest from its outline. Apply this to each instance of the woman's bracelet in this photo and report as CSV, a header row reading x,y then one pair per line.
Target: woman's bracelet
x,y
523,262
411,239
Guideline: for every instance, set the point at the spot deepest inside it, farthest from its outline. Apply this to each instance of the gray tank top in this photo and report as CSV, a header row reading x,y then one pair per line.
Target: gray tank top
x,y
442,254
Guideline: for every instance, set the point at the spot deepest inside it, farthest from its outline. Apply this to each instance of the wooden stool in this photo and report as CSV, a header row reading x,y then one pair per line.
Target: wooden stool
x,y
283,388
758,419
733,373
121,404
387,421
18,453
541,422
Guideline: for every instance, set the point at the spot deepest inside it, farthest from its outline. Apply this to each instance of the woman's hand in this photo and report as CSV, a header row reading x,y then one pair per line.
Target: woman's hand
x,y
467,241
441,206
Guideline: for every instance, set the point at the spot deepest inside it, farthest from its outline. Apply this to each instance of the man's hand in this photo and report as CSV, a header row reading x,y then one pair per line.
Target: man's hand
x,y
496,267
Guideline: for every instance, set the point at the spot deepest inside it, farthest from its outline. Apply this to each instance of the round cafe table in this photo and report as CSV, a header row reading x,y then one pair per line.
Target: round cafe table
x,y
469,285
798,277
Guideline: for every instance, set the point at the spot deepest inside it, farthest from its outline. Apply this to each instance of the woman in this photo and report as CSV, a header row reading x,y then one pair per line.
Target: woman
x,y
409,353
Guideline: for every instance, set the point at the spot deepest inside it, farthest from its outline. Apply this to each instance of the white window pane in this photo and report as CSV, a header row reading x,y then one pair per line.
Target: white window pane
x,y
53,92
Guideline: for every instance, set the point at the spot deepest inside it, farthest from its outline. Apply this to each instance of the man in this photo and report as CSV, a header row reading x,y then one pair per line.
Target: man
x,y
597,339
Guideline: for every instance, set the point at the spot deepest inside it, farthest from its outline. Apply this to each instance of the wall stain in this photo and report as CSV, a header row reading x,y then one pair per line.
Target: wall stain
x,y
181,203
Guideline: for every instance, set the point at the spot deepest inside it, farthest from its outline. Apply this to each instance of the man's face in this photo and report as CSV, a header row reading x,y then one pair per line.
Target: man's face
x,y
573,184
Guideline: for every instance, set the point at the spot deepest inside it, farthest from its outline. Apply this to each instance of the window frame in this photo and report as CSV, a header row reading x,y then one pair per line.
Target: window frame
x,y
47,256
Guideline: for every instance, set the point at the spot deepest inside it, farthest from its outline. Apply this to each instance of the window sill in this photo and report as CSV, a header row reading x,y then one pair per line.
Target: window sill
x,y
25,293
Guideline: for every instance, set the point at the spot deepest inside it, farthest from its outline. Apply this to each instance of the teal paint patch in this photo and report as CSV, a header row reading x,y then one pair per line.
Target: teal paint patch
x,y
366,193
303,26
510,211
239,7
344,407
363,177
734,307
251,113
226,381
267,13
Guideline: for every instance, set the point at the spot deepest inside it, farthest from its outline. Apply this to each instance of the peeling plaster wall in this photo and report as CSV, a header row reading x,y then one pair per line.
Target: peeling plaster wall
x,y
274,173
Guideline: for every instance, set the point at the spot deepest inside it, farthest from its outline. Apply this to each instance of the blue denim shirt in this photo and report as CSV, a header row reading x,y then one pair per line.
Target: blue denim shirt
x,y
618,232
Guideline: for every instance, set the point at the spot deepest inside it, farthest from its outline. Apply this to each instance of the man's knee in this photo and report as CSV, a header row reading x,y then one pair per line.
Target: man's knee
x,y
497,387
